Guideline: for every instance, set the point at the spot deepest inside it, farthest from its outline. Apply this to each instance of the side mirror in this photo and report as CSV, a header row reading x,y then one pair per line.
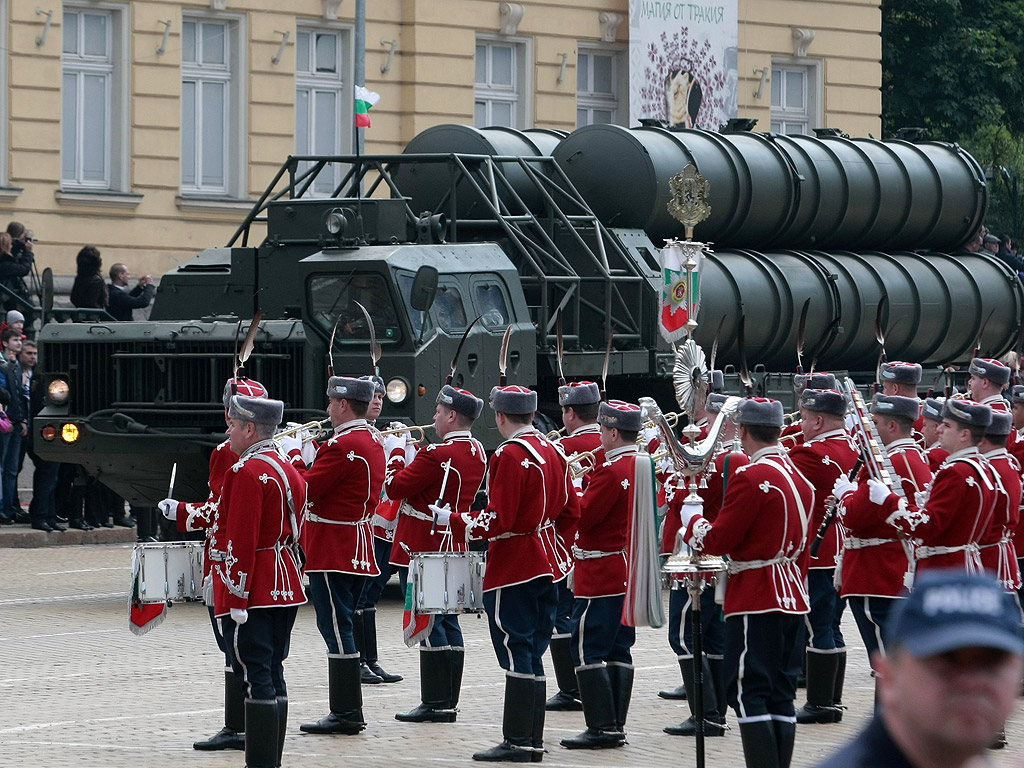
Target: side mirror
x,y
424,288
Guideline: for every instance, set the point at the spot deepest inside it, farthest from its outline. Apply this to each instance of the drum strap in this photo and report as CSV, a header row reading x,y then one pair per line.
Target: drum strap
x,y
852,542
594,554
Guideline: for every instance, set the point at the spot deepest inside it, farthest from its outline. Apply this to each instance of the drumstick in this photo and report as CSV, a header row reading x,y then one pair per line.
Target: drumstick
x,y
444,484
174,473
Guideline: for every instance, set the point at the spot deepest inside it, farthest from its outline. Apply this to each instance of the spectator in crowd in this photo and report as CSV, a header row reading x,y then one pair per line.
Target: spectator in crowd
x,y
89,291
991,244
14,319
17,411
972,246
1003,253
16,261
121,300
42,510
949,678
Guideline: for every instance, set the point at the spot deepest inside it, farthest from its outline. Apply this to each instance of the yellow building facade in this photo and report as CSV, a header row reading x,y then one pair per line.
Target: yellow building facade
x,y
147,127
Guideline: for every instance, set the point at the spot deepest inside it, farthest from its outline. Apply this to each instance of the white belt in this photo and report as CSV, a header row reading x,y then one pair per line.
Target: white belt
x,y
411,511
593,554
512,534
852,542
737,566
923,553
317,519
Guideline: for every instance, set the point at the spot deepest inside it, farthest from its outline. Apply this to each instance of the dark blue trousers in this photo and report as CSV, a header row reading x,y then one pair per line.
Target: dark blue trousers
x,y
520,619
563,609
334,597
762,660
446,632
872,614
374,586
218,635
826,614
680,623
259,648
598,634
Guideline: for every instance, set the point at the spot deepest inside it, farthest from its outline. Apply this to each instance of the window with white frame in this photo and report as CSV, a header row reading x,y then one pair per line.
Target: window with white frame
x,y
502,95
323,117
599,74
211,107
794,104
93,134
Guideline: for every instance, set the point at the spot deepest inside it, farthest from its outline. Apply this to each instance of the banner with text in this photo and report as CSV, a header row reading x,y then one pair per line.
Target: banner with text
x,y
682,62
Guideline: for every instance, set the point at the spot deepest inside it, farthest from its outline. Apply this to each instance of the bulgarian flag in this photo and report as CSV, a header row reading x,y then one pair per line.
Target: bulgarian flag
x,y
364,101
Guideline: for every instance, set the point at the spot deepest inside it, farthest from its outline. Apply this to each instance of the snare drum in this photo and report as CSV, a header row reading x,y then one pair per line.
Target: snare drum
x,y
168,572
448,582
685,569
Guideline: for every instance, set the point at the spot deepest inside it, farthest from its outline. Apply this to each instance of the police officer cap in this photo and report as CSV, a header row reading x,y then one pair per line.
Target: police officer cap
x,y
949,610
1001,426
578,393
824,401
967,412
896,406
1017,393
461,401
616,414
932,408
513,399
898,372
242,386
715,402
760,411
258,410
350,388
990,369
820,380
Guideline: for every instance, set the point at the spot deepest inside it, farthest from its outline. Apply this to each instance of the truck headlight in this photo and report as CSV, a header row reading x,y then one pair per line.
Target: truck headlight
x,y
69,433
398,390
58,391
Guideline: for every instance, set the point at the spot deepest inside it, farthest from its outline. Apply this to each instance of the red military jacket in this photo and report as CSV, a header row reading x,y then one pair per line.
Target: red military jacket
x,y
792,436
419,485
606,514
254,558
998,550
821,461
955,514
724,465
1015,446
762,527
192,516
586,438
528,484
874,562
345,481
936,455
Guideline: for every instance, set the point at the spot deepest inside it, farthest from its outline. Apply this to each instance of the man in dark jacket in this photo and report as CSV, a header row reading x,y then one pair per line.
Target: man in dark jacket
x,y
122,301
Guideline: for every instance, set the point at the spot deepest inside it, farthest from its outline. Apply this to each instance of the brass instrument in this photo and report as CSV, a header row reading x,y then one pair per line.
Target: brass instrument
x,y
582,463
555,433
789,418
422,430
313,427
672,419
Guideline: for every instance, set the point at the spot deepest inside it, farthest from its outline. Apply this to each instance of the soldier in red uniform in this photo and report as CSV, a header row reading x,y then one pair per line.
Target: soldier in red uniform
x,y
931,415
793,435
528,483
201,516
345,483
901,379
875,565
721,470
762,527
952,515
257,579
1015,443
451,473
998,551
580,401
601,643
988,380
827,453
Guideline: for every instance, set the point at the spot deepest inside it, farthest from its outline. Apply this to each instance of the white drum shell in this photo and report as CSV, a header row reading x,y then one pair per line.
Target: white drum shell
x,y
170,571
448,582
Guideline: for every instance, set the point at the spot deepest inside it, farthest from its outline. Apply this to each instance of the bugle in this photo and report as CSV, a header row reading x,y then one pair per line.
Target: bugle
x,y
671,418
581,463
313,427
555,433
422,430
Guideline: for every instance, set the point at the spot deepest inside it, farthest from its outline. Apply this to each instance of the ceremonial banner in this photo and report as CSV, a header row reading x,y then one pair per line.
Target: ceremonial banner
x,y
682,62
680,290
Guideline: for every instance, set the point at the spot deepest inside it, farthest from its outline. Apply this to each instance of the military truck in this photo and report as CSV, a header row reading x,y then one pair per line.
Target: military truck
x,y
515,228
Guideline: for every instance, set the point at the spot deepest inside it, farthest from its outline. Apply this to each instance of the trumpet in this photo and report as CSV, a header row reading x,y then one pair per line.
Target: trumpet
x,y
582,463
789,418
671,418
313,427
555,433
422,430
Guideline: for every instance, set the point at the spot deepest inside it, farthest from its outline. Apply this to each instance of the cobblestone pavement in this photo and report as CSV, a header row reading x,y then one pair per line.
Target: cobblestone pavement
x,y
80,690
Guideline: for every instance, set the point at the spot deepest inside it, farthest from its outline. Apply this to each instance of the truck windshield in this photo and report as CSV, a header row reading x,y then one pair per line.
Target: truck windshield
x,y
332,298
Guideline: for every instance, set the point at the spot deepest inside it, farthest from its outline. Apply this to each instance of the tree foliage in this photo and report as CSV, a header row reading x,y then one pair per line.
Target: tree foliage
x,y
952,66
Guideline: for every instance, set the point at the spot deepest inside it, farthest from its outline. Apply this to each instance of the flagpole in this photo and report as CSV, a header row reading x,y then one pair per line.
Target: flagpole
x,y
359,77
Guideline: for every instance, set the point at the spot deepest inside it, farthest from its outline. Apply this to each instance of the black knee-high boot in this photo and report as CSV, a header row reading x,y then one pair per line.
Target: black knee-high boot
x,y
346,699
598,711
231,736
567,697
435,690
370,647
517,724
261,734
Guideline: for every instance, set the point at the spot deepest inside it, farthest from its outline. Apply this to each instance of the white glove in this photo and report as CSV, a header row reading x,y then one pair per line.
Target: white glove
x,y
877,492
170,508
239,615
577,483
843,486
649,435
443,514
394,443
920,498
851,422
308,451
411,449
289,443
688,512
666,466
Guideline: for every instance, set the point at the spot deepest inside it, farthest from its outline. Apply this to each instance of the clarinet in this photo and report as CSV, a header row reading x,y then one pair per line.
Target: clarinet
x,y
830,513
